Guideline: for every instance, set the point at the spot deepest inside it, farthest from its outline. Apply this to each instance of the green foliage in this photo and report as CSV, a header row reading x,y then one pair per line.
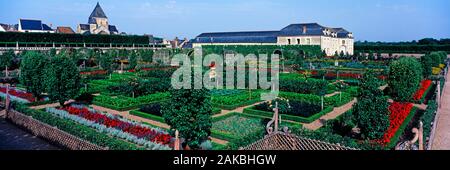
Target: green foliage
x,y
399,48
303,86
107,60
371,111
146,55
189,112
427,65
132,60
7,59
140,87
122,103
236,126
62,79
32,74
428,118
287,50
404,79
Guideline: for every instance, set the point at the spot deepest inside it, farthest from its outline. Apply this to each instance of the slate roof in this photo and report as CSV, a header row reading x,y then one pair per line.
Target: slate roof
x,y
285,141
96,13
112,28
85,27
29,24
45,27
238,37
305,29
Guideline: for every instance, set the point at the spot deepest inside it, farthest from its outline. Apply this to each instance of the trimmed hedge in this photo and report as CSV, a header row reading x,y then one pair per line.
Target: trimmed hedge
x,y
147,116
410,48
288,51
78,130
122,103
253,111
72,38
232,107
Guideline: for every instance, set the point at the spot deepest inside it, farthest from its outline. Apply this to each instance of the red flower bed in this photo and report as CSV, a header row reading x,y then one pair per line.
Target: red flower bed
x,y
139,131
20,94
424,85
96,72
399,112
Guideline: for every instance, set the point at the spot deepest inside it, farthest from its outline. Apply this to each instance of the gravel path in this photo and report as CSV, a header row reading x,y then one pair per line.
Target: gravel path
x,y
441,139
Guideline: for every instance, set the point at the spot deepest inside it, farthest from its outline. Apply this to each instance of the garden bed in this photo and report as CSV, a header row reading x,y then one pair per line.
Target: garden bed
x,y
231,102
122,103
253,111
235,126
79,130
116,126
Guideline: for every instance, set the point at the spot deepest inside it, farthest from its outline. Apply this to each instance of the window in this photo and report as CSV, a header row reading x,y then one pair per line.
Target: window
x,y
308,41
343,42
289,41
298,41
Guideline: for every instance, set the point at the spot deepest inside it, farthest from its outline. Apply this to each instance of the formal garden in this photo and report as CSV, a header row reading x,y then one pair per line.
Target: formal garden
x,y
123,100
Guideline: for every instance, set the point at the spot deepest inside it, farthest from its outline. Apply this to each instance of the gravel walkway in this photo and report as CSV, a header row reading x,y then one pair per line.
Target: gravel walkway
x,y
441,139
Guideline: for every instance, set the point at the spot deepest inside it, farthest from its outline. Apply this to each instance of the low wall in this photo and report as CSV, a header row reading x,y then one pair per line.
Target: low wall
x,y
50,133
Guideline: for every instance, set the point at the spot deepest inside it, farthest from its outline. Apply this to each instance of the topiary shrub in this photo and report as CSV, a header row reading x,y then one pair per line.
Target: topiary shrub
x,y
405,75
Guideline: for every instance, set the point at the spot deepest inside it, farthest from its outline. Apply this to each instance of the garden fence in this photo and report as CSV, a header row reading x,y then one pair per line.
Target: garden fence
x,y
430,143
52,134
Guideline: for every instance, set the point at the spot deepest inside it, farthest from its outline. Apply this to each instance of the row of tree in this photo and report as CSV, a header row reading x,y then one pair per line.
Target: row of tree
x,y
58,76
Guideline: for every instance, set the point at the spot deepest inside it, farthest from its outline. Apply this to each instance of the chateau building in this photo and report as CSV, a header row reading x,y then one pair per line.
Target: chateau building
x,y
331,40
97,24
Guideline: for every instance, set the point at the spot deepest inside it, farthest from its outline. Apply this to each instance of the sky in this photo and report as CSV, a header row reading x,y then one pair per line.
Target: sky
x,y
371,20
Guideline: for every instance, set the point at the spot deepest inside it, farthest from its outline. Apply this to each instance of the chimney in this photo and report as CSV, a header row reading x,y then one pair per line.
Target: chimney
x,y
304,29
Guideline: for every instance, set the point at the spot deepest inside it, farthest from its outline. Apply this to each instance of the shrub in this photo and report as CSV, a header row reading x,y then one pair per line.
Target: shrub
x,y
405,75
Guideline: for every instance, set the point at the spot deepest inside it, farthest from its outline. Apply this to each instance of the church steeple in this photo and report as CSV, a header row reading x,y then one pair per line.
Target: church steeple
x,y
97,13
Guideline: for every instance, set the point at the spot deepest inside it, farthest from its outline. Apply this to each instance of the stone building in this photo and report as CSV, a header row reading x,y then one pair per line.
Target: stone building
x,y
331,40
97,23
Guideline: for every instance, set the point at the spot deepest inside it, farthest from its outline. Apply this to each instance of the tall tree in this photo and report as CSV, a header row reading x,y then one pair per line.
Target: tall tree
x,y
427,65
189,111
7,59
132,60
32,72
371,111
62,79
107,60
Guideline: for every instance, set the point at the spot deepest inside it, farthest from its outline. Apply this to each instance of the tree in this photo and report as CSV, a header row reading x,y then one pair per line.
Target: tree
x,y
189,111
323,55
32,72
7,59
405,75
371,111
62,79
146,55
427,65
107,60
132,60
